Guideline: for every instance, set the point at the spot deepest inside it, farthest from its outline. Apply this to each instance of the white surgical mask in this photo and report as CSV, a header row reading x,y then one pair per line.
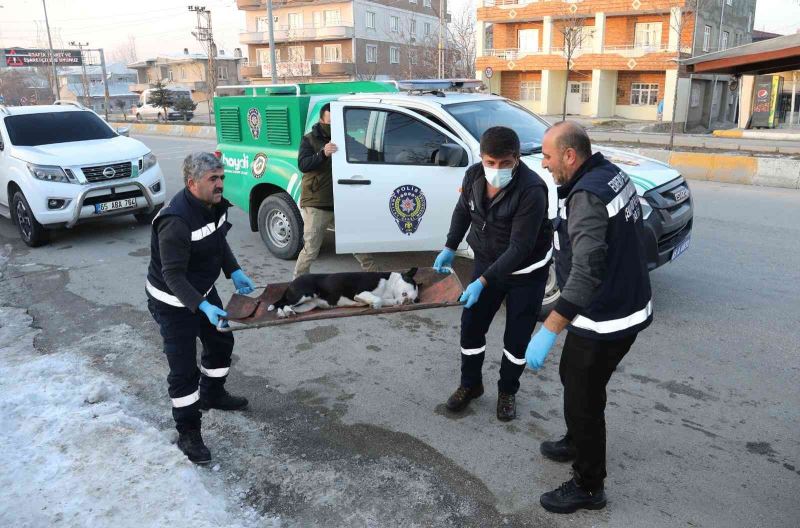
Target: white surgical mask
x,y
498,177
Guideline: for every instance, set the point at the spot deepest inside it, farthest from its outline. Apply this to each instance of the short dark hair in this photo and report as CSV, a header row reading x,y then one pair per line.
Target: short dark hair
x,y
325,108
500,141
572,135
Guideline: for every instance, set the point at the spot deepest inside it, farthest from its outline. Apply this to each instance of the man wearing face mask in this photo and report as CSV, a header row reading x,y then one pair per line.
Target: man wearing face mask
x,y
503,203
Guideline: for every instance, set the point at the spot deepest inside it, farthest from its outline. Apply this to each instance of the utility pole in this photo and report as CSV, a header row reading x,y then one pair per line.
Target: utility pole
x,y
714,85
442,28
272,64
105,80
52,58
204,34
86,95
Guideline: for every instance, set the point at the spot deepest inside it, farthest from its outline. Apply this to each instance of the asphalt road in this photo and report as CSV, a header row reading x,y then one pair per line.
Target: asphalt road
x,y
346,426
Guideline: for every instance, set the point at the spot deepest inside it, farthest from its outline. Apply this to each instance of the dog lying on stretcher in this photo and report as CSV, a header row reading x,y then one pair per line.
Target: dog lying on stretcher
x,y
332,290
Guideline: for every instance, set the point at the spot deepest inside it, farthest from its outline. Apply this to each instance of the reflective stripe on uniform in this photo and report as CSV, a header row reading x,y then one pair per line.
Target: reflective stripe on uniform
x,y
621,200
614,325
215,373
536,265
473,351
185,401
208,229
511,358
165,297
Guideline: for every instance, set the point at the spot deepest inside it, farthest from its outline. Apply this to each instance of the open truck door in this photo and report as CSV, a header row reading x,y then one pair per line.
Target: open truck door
x,y
396,178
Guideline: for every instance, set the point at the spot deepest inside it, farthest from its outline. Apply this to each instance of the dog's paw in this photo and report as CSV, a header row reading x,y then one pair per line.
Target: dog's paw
x,y
281,313
289,312
377,305
271,308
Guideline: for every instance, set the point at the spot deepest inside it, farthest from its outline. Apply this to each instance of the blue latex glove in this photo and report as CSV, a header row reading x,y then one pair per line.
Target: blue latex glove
x,y
444,260
472,293
540,345
212,312
242,282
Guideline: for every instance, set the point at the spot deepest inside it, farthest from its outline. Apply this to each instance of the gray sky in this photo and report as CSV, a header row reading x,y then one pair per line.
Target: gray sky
x,y
164,26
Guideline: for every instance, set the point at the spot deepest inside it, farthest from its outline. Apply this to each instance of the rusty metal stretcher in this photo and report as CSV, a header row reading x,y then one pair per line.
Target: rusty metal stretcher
x,y
436,290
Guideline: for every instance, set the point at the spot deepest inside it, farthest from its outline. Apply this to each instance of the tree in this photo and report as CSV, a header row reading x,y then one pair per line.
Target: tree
x,y
161,97
184,105
572,28
126,52
462,37
120,103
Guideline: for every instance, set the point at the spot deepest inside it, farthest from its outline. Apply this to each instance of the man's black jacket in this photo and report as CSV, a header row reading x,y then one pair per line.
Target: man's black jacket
x,y
511,231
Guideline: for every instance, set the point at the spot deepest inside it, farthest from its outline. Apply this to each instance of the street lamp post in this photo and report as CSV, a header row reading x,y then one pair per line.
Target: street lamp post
x,y
273,65
52,57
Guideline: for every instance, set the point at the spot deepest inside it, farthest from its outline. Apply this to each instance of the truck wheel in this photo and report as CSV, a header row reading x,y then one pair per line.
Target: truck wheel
x,y
139,117
281,226
31,231
551,293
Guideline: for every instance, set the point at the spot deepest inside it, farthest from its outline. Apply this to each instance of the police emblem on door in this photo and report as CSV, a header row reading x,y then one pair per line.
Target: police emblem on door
x,y
254,122
407,205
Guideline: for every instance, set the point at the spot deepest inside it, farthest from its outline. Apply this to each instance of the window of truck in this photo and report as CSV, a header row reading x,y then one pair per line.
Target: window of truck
x,y
378,136
32,130
478,116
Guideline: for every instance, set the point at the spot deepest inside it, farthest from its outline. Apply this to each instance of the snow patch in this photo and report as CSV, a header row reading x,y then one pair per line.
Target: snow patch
x,y
75,456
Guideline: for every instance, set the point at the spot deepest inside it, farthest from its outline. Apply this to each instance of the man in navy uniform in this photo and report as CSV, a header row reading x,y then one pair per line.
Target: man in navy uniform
x,y
188,250
601,268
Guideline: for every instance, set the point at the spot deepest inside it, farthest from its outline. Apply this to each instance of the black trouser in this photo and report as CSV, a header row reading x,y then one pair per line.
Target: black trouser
x,y
180,329
585,368
523,295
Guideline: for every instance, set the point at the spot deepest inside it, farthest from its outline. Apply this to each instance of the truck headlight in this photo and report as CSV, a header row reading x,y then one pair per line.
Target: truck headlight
x,y
49,173
647,209
149,161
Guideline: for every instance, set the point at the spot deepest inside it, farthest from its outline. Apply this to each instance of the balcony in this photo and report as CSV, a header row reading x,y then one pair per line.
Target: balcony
x,y
520,10
299,34
631,57
249,5
288,70
248,72
138,87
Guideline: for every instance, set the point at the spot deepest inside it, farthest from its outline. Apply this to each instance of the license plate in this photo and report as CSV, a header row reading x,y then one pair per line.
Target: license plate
x,y
680,248
115,205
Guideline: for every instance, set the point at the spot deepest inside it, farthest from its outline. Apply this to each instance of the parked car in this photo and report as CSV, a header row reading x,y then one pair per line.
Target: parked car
x,y
62,164
147,111
401,161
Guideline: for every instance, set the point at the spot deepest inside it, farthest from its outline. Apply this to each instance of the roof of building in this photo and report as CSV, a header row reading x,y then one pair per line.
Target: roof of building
x,y
763,35
93,69
179,57
766,56
115,89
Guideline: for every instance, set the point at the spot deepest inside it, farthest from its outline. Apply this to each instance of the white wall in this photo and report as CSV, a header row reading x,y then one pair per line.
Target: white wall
x,y
382,30
644,112
553,84
604,93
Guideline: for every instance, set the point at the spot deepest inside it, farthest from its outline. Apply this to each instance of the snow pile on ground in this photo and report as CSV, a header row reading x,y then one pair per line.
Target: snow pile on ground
x,y
73,456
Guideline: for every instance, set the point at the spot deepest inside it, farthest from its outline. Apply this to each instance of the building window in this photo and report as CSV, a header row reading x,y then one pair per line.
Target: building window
x,y
222,74
427,29
318,55
749,22
295,20
644,94
394,24
426,3
394,55
317,17
530,91
297,53
706,38
170,76
332,52
412,1
262,55
332,17
370,20
412,28
724,43
262,24
586,91
648,35
580,38
412,57
528,40
729,2
372,53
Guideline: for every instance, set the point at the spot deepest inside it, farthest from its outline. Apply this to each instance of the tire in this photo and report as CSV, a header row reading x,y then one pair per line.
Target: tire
x,y
139,117
161,119
551,293
281,226
146,218
30,231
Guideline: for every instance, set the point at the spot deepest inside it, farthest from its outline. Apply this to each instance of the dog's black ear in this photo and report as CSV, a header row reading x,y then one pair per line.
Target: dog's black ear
x,y
410,274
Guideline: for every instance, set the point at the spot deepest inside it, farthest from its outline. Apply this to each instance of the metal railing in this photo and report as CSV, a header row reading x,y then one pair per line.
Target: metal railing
x,y
626,51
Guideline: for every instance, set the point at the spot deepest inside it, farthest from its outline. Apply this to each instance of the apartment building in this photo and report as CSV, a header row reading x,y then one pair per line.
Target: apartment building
x,y
625,58
330,40
186,71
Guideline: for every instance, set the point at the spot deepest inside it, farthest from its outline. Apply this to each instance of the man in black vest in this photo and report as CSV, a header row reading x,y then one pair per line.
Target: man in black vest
x,y
503,203
601,268
187,251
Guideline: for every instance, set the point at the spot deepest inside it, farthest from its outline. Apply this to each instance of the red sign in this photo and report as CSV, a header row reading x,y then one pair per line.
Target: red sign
x,y
488,72
762,93
19,57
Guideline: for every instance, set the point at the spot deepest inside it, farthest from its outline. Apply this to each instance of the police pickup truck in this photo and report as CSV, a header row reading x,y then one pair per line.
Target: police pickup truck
x,y
403,150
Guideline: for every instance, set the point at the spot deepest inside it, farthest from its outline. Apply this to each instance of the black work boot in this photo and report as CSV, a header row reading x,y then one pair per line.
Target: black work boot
x,y
559,450
458,401
222,400
570,497
191,443
506,407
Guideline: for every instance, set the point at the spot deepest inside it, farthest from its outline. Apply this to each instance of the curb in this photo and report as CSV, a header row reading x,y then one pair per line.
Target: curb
x,y
193,131
737,133
724,168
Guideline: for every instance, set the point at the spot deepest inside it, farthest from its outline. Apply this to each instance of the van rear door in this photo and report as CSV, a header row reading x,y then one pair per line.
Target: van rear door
x,y
389,192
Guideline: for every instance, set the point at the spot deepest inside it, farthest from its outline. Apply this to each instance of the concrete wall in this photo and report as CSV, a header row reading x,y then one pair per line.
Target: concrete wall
x,y
553,85
644,113
604,90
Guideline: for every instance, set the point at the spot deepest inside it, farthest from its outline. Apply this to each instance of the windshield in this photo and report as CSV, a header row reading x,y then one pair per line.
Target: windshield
x,y
32,130
477,116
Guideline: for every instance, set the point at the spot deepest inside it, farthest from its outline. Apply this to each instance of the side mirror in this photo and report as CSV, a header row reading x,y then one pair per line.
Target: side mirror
x,y
124,131
451,155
